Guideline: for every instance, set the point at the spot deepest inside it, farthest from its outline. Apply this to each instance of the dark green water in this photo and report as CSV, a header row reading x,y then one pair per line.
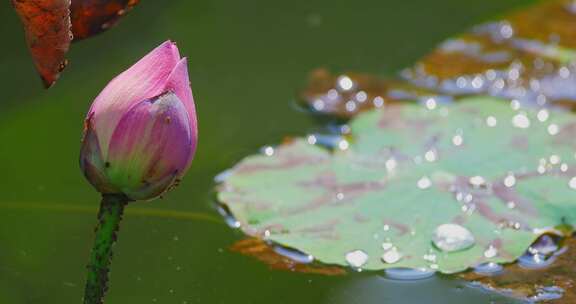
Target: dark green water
x,y
247,61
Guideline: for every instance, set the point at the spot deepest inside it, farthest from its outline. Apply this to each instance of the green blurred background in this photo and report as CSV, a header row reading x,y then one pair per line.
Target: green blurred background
x,y
248,59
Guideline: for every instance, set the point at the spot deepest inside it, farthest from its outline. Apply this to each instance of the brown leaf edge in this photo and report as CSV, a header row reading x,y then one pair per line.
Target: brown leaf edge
x,y
528,283
322,94
263,252
515,281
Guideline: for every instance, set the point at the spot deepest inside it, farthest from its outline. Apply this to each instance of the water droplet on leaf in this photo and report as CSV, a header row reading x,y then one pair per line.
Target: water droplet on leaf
x,y
452,237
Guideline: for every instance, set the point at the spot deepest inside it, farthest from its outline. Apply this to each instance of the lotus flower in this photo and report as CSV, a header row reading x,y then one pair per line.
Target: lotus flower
x,y
141,132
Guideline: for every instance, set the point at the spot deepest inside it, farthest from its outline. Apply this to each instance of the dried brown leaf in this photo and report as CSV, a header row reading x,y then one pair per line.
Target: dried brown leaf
x,y
47,26
90,17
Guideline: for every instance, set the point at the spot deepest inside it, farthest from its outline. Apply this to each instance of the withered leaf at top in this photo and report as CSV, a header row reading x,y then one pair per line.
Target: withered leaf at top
x,y
51,25
47,26
90,17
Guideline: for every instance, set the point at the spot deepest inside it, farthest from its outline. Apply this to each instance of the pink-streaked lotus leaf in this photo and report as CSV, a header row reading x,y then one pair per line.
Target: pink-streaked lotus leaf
x,y
141,131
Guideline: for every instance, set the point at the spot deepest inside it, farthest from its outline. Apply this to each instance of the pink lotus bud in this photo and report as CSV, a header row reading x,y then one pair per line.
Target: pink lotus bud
x,y
140,133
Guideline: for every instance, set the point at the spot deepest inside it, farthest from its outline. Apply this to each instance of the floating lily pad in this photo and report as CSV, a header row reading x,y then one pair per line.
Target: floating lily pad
x,y
528,55
350,93
504,174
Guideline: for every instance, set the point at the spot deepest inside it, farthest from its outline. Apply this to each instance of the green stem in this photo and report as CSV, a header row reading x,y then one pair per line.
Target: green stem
x,y
109,217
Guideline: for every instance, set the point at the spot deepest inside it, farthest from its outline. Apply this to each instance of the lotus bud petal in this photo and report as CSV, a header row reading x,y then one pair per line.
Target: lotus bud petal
x,y
141,131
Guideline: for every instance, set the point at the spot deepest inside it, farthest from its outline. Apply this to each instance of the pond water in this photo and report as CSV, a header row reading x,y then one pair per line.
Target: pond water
x,y
248,59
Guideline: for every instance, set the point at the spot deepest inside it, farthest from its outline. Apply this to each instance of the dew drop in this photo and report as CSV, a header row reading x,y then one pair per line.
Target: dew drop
x,y
452,237
430,103
378,101
268,151
391,256
499,84
350,106
457,140
361,96
506,30
490,74
387,246
564,72
343,144
391,164
515,105
490,252
424,183
430,257
356,258
513,75
491,121
554,159
477,82
345,83
541,169
318,104
510,180
521,121
553,129
430,156
333,94
542,115
572,183
477,181
312,139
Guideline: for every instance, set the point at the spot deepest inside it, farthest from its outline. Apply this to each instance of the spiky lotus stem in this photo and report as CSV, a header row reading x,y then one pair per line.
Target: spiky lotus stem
x,y
109,217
